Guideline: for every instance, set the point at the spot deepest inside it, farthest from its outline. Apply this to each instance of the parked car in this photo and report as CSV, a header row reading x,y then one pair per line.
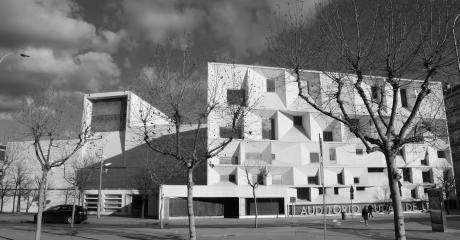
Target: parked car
x,y
63,213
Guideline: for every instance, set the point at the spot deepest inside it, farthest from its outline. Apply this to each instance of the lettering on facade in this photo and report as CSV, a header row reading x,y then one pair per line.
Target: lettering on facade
x,y
300,209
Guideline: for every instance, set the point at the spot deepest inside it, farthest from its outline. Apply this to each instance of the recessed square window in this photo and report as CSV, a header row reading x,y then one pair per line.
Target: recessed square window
x,y
336,190
356,180
359,151
327,135
441,154
360,188
297,120
321,191
314,157
313,180
271,85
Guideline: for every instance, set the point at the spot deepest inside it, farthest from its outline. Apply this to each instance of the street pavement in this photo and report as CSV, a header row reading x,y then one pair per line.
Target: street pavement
x,y
20,227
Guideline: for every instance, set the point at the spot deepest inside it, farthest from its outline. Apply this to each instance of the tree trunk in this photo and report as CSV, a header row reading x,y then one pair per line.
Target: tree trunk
x,y
191,215
41,203
14,201
255,206
73,208
399,226
1,202
447,203
161,207
18,206
143,206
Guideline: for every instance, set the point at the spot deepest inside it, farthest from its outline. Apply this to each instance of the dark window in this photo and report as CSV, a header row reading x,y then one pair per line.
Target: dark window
x,y
424,162
314,157
354,123
268,129
227,132
236,97
359,151
332,154
297,120
271,85
321,192
441,154
2,154
413,193
360,188
340,178
407,175
303,194
356,180
375,93
373,169
232,178
336,190
445,176
327,135
108,115
403,97
426,177
313,180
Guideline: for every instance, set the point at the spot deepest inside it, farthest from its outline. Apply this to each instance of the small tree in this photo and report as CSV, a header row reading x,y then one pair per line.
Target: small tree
x,y
446,182
159,170
256,172
77,174
173,84
21,180
6,171
45,120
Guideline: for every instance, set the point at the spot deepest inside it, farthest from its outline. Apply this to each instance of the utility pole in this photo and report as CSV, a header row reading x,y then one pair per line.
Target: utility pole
x,y
321,167
99,193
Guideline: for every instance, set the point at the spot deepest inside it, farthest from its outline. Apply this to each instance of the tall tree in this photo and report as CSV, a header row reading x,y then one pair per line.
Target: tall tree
x,y
352,41
173,83
45,121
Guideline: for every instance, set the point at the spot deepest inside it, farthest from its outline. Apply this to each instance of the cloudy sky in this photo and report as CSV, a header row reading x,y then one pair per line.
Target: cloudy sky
x,y
86,46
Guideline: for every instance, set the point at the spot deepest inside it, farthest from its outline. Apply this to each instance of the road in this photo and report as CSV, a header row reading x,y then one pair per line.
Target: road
x,y
121,228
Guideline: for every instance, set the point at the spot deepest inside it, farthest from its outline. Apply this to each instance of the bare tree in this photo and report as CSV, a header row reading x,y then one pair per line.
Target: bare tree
x,y
256,172
446,182
159,170
77,174
362,39
5,182
173,79
21,180
44,118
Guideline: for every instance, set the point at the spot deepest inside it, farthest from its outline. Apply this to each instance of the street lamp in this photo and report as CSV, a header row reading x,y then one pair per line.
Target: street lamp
x,y
23,55
99,194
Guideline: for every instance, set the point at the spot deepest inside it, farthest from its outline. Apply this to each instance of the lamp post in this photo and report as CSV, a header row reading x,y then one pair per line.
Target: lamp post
x,y
23,55
99,193
455,44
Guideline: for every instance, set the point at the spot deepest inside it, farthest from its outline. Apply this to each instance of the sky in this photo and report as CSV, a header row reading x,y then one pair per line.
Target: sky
x,y
84,46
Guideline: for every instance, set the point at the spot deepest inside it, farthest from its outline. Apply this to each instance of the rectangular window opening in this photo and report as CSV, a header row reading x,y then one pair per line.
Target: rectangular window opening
x,y
356,180
374,169
303,194
236,97
314,157
403,98
441,154
336,190
332,154
359,151
328,137
360,188
271,85
297,120
313,180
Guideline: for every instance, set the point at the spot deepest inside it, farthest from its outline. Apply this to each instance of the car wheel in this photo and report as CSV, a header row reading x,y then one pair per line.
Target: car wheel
x,y
68,220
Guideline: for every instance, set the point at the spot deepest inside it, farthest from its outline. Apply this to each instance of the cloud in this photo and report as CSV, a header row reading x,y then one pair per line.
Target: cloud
x,y
156,21
238,26
52,23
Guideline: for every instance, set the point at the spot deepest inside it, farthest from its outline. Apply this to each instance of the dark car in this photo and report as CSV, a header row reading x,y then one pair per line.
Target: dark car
x,y
63,213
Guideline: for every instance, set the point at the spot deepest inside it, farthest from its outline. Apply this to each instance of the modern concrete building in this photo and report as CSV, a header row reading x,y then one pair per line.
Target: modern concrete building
x,y
278,145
